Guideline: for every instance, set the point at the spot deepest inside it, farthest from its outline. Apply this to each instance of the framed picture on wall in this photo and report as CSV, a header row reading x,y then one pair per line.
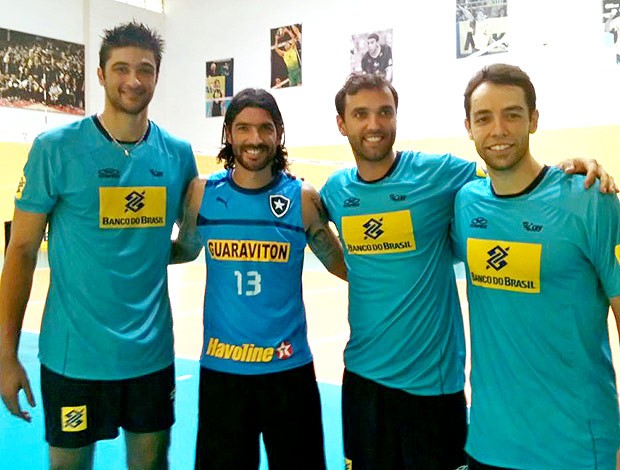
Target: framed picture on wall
x,y
611,20
219,86
41,73
372,53
481,27
286,56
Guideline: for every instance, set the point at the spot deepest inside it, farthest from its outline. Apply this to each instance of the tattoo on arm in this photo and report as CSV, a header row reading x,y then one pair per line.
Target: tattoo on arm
x,y
323,242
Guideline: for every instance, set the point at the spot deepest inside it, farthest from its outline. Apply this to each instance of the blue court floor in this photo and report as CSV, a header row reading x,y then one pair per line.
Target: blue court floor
x,y
22,444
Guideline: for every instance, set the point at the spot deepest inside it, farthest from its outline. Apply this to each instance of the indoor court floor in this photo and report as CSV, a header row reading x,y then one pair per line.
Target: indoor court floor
x,y
22,445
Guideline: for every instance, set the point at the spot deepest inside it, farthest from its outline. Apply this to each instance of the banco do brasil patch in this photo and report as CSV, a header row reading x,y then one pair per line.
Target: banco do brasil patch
x,y
504,265
373,234
132,207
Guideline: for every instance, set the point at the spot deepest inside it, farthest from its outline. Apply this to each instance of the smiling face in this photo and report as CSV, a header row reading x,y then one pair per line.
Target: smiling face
x,y
500,125
254,138
369,123
129,79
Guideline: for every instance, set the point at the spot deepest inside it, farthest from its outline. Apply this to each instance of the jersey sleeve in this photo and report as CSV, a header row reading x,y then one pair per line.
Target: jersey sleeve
x,y
38,190
325,198
456,230
191,170
603,230
458,172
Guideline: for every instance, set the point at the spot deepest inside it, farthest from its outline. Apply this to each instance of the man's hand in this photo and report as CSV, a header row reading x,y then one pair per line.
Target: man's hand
x,y
592,170
13,378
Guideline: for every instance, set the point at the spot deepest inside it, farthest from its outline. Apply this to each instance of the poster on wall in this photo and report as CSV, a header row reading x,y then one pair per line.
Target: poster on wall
x,y
481,27
219,86
286,56
611,20
372,53
41,73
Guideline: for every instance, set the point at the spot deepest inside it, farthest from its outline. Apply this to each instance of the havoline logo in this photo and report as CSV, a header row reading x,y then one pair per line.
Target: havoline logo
x,y
132,207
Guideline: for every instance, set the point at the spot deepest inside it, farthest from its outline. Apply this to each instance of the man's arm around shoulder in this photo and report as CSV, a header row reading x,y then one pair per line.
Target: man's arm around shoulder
x,y
188,243
27,232
321,239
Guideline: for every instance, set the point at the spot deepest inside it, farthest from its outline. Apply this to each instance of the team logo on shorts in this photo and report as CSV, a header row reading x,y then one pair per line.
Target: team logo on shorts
x,y
284,350
73,418
618,253
279,204
348,463
20,187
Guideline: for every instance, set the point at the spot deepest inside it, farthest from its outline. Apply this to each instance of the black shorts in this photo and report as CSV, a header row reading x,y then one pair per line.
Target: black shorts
x,y
235,409
389,428
79,412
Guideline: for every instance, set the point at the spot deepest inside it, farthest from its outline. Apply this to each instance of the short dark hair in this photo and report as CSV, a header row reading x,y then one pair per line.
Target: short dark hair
x,y
253,98
374,36
502,74
361,81
132,34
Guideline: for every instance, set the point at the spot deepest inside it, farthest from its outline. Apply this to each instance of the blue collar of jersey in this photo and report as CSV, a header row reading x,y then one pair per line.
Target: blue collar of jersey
x,y
274,182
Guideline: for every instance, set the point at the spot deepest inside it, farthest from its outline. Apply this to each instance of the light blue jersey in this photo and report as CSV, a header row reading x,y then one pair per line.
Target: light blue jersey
x,y
404,312
254,317
541,268
107,314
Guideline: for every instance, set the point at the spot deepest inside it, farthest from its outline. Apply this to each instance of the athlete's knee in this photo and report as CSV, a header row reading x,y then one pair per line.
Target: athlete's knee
x,y
71,459
148,451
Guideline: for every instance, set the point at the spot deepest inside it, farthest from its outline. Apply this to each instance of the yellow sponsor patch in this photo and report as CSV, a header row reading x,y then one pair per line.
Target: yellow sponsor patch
x,y
618,253
132,207
249,250
480,172
348,464
73,418
239,352
20,187
504,265
371,234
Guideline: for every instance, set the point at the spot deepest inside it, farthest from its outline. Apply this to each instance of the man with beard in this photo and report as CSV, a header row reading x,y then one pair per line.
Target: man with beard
x,y
543,267
403,404
110,187
255,219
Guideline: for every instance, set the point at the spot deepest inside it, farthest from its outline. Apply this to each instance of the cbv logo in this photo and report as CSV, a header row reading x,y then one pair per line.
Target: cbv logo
x,y
497,259
530,227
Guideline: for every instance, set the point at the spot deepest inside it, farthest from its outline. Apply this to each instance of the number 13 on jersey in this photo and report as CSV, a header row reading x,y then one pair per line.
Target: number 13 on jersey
x,y
248,284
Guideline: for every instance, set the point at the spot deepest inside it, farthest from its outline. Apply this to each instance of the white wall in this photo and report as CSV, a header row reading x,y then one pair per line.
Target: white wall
x,y
79,21
576,79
